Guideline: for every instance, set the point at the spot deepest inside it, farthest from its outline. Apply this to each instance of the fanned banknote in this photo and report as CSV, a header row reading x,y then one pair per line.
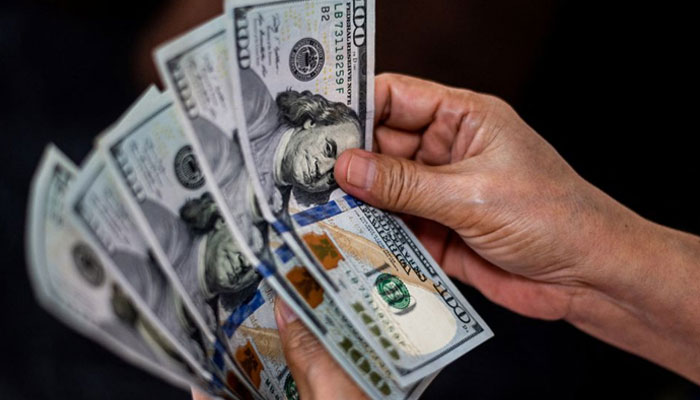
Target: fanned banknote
x,y
204,96
98,211
205,203
303,80
338,334
168,195
71,282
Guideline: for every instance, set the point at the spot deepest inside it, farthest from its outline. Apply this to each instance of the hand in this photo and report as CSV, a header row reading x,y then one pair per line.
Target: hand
x,y
315,372
499,209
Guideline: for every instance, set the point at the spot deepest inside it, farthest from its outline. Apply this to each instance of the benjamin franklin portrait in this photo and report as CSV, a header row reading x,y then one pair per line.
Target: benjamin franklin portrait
x,y
227,277
205,257
296,138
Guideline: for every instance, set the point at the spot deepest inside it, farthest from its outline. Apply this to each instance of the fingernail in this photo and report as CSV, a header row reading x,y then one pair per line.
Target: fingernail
x,y
362,170
285,315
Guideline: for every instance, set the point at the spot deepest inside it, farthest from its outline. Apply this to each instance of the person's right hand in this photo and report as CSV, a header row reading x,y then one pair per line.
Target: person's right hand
x,y
499,209
514,219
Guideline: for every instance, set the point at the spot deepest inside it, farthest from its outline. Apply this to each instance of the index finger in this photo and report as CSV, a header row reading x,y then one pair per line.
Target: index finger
x,y
411,104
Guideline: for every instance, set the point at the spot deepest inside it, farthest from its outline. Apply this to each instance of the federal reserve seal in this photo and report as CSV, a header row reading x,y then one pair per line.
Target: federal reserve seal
x,y
393,291
88,264
306,59
187,169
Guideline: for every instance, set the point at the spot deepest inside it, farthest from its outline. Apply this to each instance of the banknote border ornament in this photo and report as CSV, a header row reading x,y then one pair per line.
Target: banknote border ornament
x,y
303,47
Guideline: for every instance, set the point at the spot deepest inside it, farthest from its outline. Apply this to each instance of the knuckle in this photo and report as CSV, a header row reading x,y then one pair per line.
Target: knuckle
x,y
476,203
464,94
501,108
478,100
394,78
480,190
400,186
391,76
495,101
300,340
301,347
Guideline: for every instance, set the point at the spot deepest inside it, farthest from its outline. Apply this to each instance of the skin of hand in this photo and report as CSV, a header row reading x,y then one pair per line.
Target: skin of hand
x,y
315,372
499,209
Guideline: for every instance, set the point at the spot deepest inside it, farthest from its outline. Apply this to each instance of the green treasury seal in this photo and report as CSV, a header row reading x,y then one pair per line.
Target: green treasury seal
x,y
290,388
393,291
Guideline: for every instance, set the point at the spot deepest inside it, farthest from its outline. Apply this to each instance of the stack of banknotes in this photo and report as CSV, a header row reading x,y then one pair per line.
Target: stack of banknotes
x,y
207,201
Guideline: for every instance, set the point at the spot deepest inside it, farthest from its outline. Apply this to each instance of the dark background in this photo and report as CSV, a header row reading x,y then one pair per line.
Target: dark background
x,y
613,86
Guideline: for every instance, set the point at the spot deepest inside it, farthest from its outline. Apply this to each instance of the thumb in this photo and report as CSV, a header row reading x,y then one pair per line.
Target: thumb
x,y
300,346
400,185
316,374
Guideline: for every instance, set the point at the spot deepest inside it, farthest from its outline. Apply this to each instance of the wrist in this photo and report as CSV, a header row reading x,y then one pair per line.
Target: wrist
x,y
640,289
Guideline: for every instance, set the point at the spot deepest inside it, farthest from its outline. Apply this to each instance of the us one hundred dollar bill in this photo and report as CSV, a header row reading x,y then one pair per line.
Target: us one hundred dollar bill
x,y
303,79
159,175
341,338
99,211
71,281
207,202
195,66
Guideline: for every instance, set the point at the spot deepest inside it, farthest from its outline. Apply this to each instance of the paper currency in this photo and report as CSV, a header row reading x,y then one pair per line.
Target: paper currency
x,y
99,212
393,285
196,68
208,201
71,282
336,332
185,66
173,202
303,79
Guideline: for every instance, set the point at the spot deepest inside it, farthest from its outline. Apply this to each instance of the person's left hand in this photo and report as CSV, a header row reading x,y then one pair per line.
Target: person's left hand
x,y
315,372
